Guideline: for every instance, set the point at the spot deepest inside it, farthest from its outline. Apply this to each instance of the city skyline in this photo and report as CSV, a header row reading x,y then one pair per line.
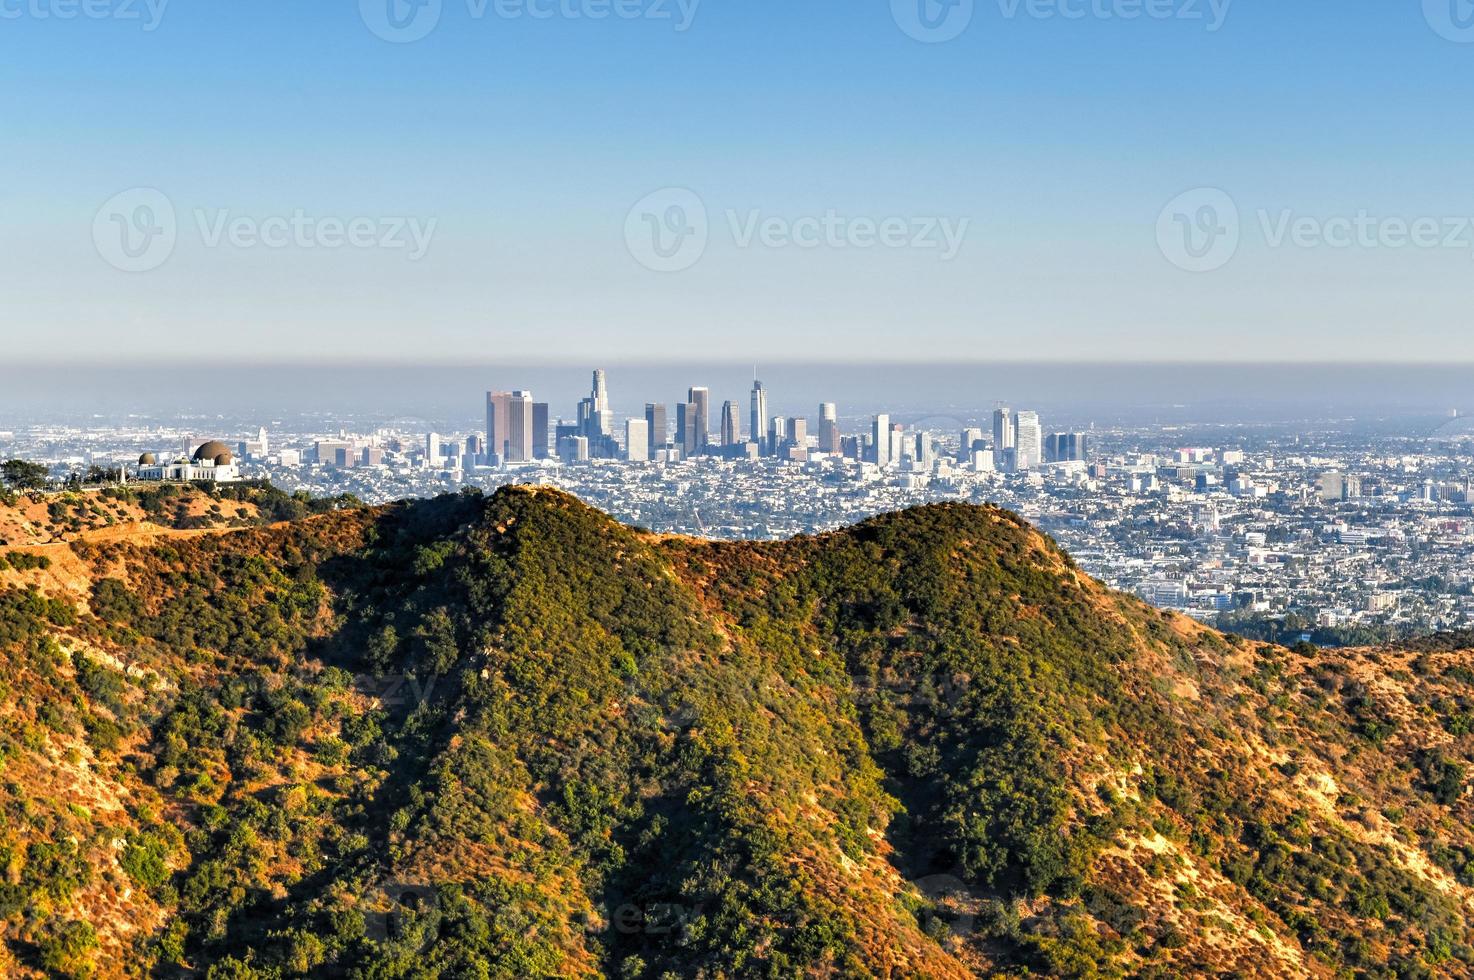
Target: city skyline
x,y
520,431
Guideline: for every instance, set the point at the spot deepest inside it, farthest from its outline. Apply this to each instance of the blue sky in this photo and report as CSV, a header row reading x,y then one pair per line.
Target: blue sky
x,y
521,144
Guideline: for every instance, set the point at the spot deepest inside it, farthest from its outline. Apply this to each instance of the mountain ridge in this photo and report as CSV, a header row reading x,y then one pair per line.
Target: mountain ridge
x,y
508,736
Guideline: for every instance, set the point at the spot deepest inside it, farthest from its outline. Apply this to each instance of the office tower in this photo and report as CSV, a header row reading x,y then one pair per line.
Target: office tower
x,y
1003,430
540,430
1067,447
798,433
922,452
828,428
600,394
573,449
688,430
498,405
1028,440
564,430
880,434
777,434
326,450
432,450
850,447
758,420
701,398
898,442
1332,487
474,445
595,417
731,428
636,440
971,437
372,457
655,423
519,427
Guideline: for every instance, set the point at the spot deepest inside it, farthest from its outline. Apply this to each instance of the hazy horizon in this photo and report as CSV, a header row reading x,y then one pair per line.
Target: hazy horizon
x,y
1073,393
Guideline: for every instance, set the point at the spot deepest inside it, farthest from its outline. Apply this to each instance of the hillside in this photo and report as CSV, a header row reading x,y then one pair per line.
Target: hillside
x,y
508,737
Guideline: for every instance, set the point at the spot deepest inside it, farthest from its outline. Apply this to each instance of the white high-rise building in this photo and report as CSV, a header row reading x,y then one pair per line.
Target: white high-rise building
x,y
880,432
432,450
1003,430
519,427
828,428
1029,441
637,440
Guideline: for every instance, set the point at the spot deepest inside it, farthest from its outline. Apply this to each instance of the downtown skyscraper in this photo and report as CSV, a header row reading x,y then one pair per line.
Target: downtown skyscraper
x,y
880,432
520,444
700,401
829,441
758,421
731,427
1003,430
1028,441
657,427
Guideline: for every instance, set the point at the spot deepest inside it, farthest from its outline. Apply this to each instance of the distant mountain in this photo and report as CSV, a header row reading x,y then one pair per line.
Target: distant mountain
x,y
507,736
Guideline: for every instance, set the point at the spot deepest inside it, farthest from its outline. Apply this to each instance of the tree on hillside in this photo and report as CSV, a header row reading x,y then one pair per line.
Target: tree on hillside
x,y
17,474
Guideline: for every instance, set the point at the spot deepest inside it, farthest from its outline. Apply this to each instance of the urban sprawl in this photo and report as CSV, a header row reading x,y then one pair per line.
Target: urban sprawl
x,y
1285,533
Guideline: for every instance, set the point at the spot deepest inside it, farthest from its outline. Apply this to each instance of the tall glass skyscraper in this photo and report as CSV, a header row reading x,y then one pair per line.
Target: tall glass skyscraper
x,y
758,423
